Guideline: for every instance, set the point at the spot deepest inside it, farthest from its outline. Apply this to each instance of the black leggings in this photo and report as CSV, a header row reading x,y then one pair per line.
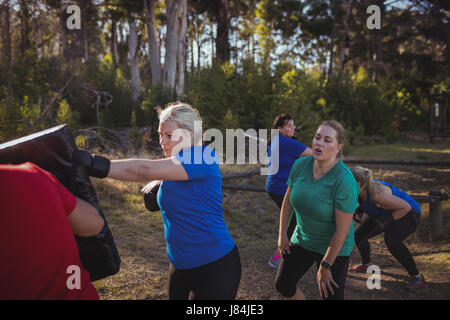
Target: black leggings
x,y
294,265
278,199
218,280
394,234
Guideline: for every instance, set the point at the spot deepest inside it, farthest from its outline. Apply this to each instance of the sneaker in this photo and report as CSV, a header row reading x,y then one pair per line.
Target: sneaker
x,y
415,283
274,261
360,268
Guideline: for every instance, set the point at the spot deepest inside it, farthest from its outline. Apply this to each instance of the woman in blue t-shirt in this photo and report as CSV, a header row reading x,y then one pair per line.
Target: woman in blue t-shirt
x,y
204,259
289,150
391,211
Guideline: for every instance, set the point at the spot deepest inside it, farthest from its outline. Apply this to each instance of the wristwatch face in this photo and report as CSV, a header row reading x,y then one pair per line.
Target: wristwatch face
x,y
325,264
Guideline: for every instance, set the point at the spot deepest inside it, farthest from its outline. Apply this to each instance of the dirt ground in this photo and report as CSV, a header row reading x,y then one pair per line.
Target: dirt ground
x,y
252,218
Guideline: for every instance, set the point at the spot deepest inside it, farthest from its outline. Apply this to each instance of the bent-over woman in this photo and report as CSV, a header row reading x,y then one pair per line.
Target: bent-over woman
x,y
391,211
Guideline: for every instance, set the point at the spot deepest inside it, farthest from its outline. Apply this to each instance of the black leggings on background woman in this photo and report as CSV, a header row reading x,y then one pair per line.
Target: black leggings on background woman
x,y
394,235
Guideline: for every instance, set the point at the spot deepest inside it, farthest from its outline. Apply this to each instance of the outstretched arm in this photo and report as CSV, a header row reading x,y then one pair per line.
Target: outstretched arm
x,y
146,170
130,169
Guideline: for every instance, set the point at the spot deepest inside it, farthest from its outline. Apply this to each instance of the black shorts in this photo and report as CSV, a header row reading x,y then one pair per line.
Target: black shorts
x,y
218,280
293,266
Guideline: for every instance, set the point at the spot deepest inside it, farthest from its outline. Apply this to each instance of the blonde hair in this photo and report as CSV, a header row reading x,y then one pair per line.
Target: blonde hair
x,y
184,115
340,134
365,179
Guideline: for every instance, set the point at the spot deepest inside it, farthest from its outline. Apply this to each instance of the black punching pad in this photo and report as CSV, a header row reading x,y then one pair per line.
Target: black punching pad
x,y
52,150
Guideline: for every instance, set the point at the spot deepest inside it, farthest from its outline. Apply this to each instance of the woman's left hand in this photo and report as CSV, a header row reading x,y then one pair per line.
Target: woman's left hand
x,y
324,281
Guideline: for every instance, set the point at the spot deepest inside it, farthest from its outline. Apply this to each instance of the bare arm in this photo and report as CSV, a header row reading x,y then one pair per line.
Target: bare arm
x,y
324,277
85,219
147,170
343,223
285,214
307,152
388,201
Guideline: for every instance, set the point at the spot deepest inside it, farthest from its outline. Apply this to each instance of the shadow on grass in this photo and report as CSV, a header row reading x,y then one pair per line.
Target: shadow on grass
x,y
396,289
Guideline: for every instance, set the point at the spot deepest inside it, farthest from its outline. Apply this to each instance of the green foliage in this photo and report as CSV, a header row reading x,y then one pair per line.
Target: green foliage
x,y
16,117
104,77
383,86
156,96
65,115
253,97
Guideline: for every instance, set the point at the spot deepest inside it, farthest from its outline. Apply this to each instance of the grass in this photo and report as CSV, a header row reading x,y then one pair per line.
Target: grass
x,y
417,152
252,219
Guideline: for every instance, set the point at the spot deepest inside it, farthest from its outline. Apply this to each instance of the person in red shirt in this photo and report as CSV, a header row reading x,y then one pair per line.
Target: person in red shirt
x,y
39,256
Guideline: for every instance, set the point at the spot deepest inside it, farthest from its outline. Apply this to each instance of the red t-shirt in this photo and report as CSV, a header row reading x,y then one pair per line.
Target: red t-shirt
x,y
39,256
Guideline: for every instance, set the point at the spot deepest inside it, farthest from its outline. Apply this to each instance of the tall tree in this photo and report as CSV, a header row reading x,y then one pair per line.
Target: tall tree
x,y
176,12
24,15
7,44
345,45
181,52
133,57
223,29
153,41
219,12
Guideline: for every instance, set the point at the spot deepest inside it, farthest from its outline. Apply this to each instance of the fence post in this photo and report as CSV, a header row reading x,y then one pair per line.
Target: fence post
x,y
436,216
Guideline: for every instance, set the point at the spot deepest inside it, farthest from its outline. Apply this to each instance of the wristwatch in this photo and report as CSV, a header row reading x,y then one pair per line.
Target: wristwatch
x,y
325,264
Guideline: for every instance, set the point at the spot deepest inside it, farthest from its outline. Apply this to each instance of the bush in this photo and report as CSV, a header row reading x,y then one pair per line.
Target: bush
x,y
65,115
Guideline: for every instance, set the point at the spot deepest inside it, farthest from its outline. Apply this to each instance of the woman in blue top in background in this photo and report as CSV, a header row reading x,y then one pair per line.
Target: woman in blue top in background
x,y
391,211
289,150
204,259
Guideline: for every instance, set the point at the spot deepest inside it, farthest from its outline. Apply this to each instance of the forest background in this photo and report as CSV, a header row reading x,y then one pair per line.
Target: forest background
x,y
240,62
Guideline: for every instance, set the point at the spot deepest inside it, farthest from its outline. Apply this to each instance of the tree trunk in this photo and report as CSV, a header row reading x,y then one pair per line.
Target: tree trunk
x,y
25,26
153,41
378,37
181,51
134,63
114,49
63,36
36,38
86,43
345,48
333,36
223,27
213,56
174,11
192,55
6,39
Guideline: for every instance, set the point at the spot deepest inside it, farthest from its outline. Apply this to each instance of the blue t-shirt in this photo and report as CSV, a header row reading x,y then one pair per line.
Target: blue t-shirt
x,y
288,150
195,230
372,210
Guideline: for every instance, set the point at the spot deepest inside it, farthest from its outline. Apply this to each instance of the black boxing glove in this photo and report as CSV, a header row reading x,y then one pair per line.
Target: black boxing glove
x,y
96,166
150,198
